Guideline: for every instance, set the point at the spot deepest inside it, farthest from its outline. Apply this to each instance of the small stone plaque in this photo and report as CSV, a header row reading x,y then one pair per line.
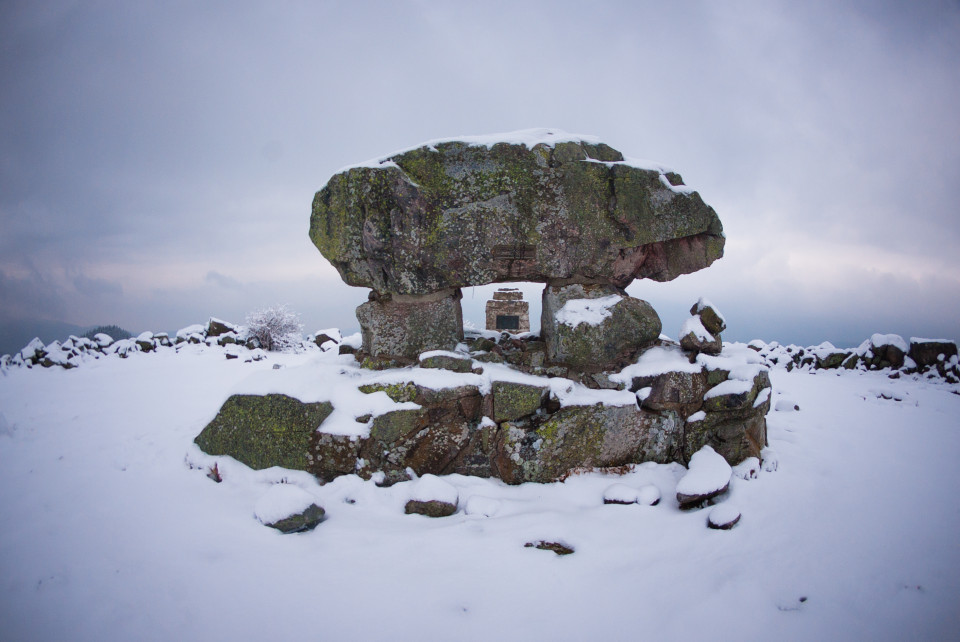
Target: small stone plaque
x,y
517,252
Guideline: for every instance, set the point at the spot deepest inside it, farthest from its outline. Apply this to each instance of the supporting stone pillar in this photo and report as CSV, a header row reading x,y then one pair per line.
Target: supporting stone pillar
x,y
399,327
595,327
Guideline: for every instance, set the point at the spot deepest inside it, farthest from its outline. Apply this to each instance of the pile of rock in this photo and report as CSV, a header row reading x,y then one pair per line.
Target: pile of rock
x,y
929,358
215,333
701,332
488,417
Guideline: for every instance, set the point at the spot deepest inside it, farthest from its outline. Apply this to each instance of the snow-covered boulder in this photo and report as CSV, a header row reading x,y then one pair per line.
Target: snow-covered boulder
x,y
433,497
711,318
216,327
723,516
646,495
701,332
707,476
591,328
930,352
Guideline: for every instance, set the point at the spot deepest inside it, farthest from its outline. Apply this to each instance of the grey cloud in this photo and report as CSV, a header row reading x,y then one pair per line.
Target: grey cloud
x,y
222,280
93,287
157,136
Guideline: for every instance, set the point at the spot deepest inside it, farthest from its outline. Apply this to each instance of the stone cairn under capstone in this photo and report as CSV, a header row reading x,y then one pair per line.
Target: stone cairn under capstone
x,y
508,312
566,211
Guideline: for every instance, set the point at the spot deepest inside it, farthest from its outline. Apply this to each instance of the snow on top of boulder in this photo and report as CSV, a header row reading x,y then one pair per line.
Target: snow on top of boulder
x,y
281,501
894,340
655,361
733,356
695,325
708,472
697,416
824,350
443,353
145,336
762,398
530,137
589,311
32,348
921,340
103,339
621,494
333,333
729,387
571,393
431,488
190,330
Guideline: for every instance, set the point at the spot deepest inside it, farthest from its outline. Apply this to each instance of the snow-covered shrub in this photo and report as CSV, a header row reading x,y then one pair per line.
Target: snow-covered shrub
x,y
276,329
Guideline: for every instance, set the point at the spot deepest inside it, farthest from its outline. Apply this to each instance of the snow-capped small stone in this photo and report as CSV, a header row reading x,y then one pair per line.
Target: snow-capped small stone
x,y
432,488
723,516
281,501
708,475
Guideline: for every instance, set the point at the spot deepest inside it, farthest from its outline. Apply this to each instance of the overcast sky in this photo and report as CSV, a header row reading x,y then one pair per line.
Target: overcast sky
x,y
158,159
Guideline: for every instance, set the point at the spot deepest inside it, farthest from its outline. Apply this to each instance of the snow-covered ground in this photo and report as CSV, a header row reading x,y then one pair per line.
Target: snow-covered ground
x,y
110,528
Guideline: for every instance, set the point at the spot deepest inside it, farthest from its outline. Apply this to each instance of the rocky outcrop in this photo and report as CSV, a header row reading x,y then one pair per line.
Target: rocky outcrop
x,y
933,359
517,427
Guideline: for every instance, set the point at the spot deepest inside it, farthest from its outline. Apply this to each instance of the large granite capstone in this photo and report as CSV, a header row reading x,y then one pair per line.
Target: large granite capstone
x,y
542,206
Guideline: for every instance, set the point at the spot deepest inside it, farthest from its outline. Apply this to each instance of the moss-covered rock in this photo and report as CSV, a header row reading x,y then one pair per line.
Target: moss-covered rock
x,y
264,431
447,362
399,328
333,455
738,399
832,360
452,214
305,520
430,508
606,337
399,392
391,426
579,437
681,392
515,400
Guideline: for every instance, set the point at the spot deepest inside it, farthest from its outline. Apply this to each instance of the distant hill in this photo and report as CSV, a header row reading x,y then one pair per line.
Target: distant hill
x,y
16,333
115,332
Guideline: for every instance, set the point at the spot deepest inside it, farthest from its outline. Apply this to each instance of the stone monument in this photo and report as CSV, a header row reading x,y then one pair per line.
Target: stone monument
x,y
598,388
567,211
508,312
